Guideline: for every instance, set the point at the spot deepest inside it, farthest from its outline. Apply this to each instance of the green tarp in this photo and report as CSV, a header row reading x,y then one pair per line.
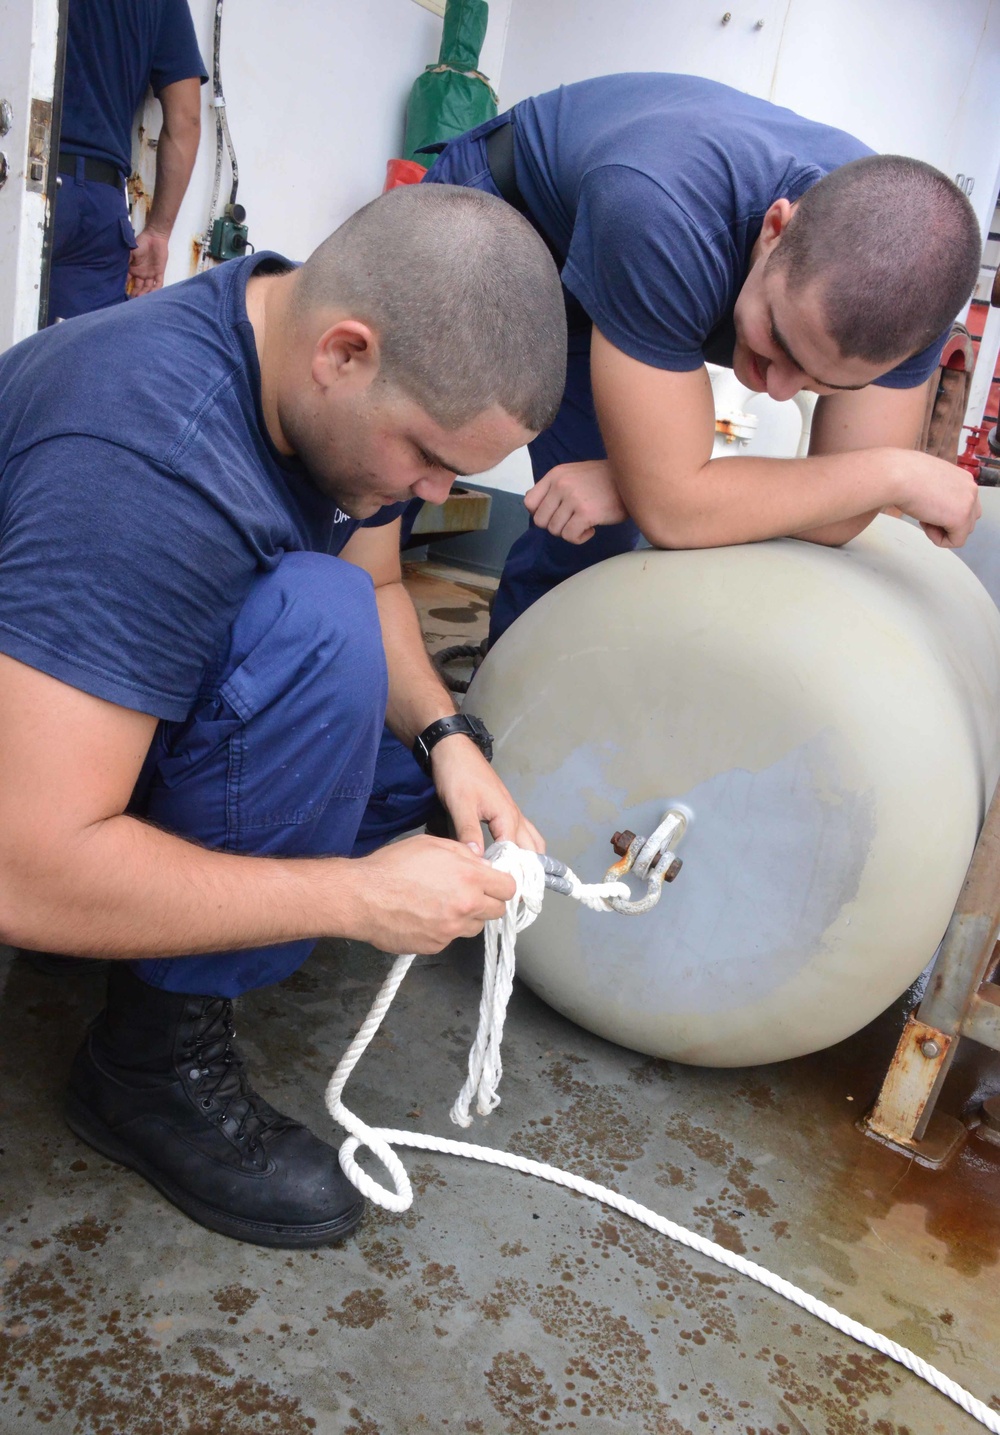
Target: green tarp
x,y
451,96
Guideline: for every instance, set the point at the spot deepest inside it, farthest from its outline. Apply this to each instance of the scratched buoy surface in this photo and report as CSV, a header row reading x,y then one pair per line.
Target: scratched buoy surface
x,y
982,550
829,716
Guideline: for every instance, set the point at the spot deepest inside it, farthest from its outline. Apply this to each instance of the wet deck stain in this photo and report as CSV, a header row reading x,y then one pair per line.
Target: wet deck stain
x,y
521,1394
606,1366
361,1310
425,1177
60,1353
651,1072
669,1175
85,1235
210,1361
383,1254
459,615
856,1377
506,1297
757,1094
707,1145
680,1286
513,1248
235,1300
442,1289
959,1202
362,1425
594,1135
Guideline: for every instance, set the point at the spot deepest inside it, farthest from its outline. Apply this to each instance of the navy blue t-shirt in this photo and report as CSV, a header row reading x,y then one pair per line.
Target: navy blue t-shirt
x,y
655,188
116,49
140,492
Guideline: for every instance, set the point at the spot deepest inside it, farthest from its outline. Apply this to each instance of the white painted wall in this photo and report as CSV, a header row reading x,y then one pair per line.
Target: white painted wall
x,y
316,94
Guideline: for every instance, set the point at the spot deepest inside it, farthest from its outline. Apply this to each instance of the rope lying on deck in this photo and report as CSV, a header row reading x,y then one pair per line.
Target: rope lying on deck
x,y
483,1081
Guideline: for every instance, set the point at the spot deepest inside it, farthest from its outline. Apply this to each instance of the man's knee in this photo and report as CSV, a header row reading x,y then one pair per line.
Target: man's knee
x,y
312,612
278,754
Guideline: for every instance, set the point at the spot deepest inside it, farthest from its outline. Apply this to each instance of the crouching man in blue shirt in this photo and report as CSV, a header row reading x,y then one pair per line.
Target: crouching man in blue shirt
x,y
693,223
202,634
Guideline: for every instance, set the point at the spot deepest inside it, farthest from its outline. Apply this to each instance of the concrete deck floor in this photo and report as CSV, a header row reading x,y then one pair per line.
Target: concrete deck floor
x,y
497,1304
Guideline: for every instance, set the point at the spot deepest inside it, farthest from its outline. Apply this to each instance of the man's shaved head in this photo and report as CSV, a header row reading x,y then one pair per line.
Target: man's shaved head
x,y
462,295
893,249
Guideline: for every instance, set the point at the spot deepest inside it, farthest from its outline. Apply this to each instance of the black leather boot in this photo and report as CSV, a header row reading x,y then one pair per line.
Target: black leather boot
x,y
159,1086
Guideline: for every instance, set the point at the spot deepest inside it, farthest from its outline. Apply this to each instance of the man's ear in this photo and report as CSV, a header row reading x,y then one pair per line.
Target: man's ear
x,y
775,222
346,352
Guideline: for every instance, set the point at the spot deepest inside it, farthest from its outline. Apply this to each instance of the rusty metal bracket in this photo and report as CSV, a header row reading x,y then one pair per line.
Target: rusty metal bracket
x,y
39,145
652,860
960,1001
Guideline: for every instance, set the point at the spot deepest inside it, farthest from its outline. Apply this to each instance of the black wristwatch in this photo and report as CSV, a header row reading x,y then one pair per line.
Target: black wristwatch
x,y
444,727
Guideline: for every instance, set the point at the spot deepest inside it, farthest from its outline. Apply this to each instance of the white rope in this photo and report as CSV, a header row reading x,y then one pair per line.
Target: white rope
x,y
484,1076
485,1069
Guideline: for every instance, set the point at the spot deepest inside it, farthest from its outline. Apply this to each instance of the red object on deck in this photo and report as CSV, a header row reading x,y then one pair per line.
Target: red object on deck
x,y
402,171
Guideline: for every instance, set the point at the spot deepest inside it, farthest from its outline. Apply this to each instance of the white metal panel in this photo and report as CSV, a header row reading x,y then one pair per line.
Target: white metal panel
x,y
915,77
561,41
28,42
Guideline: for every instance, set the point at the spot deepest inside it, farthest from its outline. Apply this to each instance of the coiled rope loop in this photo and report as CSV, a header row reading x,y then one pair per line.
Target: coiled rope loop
x,y
482,1082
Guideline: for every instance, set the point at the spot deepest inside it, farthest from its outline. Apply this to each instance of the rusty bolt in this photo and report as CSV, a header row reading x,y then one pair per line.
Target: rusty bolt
x,y
673,869
36,171
727,17
930,1048
622,841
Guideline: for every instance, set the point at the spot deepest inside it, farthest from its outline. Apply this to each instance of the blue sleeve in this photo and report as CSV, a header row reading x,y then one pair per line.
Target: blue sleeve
x,y
177,56
643,271
911,373
127,606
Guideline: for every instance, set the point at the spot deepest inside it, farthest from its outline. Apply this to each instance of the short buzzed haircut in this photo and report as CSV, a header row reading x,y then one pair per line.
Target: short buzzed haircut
x,y
894,247
463,294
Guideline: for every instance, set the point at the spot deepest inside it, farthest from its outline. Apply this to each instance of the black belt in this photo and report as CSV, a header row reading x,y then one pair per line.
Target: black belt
x,y
500,162
95,169
500,159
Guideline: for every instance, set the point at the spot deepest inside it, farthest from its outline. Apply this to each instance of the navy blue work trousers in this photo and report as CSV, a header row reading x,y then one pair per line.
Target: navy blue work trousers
x,y
285,753
92,244
537,561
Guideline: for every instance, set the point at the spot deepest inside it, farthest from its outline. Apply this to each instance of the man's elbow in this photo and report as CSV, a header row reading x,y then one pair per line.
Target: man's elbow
x,y
675,531
17,929
30,895
835,535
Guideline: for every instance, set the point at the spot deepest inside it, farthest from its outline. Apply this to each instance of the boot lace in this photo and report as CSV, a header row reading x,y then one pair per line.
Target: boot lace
x,y
216,1068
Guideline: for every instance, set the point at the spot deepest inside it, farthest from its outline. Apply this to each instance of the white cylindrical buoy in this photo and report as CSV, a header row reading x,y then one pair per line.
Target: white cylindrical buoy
x,y
831,720
981,551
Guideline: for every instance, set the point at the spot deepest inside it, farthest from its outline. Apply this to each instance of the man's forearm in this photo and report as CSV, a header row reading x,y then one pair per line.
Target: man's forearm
x,y
417,696
127,889
744,500
176,150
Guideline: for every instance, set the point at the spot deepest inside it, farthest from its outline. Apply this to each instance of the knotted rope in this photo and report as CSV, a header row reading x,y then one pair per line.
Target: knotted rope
x,y
483,1080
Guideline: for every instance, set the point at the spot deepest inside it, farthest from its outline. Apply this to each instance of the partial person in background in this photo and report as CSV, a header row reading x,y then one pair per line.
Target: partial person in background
x,y
693,223
116,50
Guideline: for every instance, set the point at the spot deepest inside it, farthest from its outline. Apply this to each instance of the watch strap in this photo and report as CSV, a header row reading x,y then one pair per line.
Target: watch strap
x,y
464,723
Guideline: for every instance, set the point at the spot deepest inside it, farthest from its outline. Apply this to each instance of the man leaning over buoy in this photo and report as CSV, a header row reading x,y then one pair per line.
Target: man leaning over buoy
x,y
693,223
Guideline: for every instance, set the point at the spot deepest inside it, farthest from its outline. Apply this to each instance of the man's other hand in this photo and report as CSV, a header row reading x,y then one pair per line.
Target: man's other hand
x,y
942,497
473,794
574,499
148,263
419,894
